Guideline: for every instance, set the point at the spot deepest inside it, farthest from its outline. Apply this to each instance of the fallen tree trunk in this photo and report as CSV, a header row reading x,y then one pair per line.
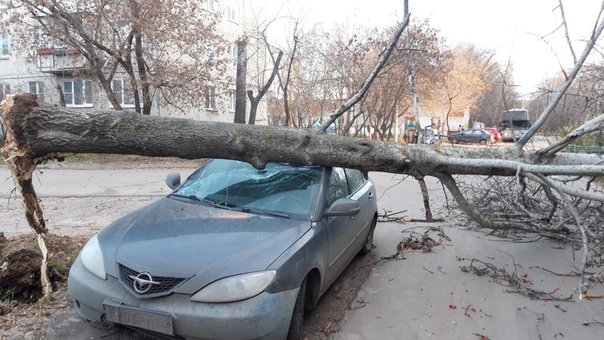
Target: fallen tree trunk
x,y
22,164
52,132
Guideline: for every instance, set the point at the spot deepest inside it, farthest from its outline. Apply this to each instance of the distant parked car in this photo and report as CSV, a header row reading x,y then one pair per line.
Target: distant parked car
x,y
493,131
513,132
234,252
479,136
430,136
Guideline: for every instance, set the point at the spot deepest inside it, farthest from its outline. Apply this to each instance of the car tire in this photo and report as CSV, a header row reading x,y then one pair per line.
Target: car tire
x,y
483,142
297,322
368,245
453,141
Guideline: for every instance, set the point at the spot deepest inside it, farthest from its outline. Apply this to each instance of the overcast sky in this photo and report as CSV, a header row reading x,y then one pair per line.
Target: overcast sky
x,y
512,27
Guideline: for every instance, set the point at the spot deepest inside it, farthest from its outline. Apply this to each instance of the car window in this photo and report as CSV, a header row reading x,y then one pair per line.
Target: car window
x,y
278,187
338,187
356,179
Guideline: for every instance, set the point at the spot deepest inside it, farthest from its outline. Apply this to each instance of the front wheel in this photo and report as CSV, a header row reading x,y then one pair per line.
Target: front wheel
x,y
369,240
296,325
483,142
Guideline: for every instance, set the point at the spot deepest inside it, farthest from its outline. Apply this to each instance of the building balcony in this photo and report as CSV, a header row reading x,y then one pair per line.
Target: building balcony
x,y
60,62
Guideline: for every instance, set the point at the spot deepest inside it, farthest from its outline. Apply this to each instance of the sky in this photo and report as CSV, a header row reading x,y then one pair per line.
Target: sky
x,y
513,28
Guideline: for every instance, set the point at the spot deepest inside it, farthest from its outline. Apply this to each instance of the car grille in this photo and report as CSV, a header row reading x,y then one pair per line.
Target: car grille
x,y
163,286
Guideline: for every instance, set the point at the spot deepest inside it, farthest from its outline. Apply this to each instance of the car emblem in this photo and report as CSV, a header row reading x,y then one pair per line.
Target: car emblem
x,y
143,282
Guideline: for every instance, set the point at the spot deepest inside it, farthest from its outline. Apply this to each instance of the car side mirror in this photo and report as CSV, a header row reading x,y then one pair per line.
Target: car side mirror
x,y
343,207
173,180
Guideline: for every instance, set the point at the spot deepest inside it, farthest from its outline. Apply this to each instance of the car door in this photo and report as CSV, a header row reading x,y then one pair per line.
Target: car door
x,y
466,136
345,233
478,135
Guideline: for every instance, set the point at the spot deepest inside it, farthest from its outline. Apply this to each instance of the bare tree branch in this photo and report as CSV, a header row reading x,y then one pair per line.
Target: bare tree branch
x,y
365,87
564,86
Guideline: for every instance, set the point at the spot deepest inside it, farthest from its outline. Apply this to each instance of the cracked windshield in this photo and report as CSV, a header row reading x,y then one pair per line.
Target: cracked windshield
x,y
278,188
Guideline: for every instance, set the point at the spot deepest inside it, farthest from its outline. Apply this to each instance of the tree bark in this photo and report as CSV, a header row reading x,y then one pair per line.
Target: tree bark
x,y
240,82
51,132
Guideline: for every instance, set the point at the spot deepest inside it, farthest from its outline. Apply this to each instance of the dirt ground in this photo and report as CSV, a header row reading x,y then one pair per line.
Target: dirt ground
x,y
25,314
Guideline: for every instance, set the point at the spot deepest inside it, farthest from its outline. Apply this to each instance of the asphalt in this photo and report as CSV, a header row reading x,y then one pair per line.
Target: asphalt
x,y
432,295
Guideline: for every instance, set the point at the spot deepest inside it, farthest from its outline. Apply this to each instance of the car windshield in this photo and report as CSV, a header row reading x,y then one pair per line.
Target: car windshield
x,y
279,188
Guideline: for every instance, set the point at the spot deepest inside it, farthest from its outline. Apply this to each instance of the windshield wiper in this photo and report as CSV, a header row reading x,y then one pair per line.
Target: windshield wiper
x,y
264,212
203,200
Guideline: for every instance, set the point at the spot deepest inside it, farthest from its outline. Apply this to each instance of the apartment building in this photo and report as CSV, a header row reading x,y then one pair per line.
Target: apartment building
x,y
58,77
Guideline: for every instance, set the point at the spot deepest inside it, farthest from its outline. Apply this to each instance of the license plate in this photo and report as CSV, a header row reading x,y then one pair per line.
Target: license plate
x,y
153,321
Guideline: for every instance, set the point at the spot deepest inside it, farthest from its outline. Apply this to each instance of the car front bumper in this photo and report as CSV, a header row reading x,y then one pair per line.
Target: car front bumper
x,y
265,316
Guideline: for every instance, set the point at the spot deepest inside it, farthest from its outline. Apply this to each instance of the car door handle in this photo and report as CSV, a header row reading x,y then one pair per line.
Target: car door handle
x,y
370,196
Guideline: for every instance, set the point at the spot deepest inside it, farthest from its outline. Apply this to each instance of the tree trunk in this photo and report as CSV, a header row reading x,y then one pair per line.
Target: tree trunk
x,y
50,132
240,82
22,165
253,106
106,85
254,101
140,60
426,198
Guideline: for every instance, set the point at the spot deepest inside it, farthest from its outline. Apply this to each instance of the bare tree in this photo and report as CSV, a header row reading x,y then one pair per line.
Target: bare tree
x,y
466,81
501,95
164,45
255,100
285,79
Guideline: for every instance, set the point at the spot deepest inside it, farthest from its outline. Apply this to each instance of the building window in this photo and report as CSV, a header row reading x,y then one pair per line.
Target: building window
x,y
78,92
122,92
211,99
209,5
233,101
234,54
232,13
37,88
212,52
4,48
4,91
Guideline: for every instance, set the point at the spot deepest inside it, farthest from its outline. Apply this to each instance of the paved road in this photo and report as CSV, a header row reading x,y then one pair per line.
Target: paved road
x,y
83,201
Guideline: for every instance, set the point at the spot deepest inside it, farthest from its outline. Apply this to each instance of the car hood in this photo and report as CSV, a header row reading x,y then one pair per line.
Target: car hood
x,y
179,238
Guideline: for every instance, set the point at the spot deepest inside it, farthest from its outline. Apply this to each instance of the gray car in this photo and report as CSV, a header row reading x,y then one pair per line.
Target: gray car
x,y
472,136
234,252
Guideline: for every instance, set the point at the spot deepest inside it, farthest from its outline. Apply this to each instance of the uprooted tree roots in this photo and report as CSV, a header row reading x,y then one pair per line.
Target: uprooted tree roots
x,y
20,259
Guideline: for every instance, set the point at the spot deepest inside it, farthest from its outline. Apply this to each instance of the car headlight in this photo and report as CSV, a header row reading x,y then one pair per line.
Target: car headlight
x,y
235,288
92,258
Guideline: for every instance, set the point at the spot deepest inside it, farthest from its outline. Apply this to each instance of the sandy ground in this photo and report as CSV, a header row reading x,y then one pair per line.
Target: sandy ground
x,y
82,201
